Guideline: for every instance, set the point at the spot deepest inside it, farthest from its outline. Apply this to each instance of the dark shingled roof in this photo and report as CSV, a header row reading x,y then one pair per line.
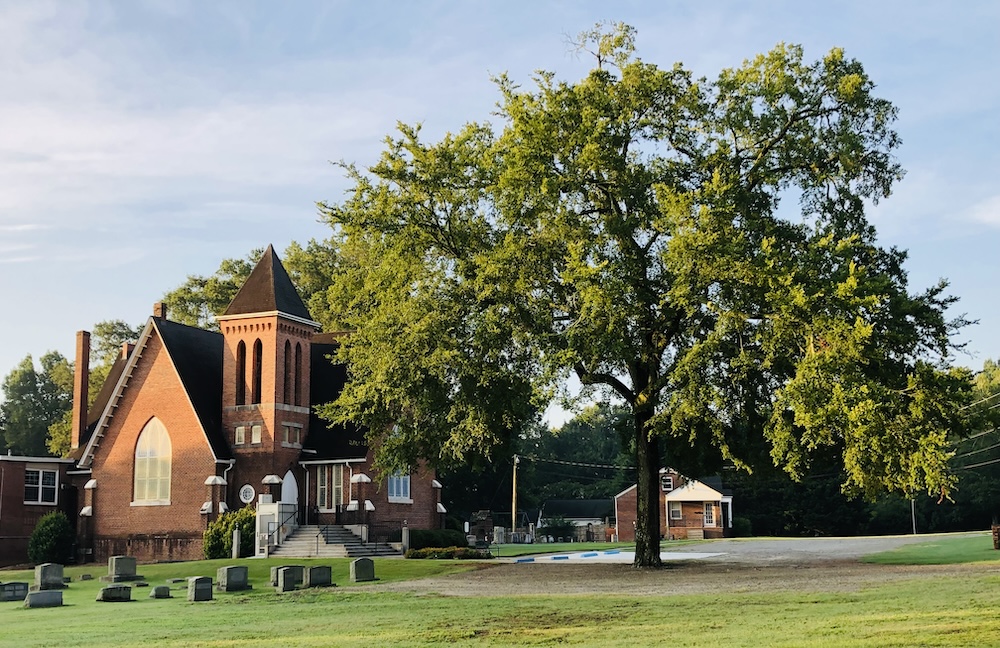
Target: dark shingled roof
x,y
268,289
326,440
578,509
197,356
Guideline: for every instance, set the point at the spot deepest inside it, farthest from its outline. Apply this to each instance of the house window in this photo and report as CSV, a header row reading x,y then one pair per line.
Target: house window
x,y
258,359
330,487
40,486
291,435
152,465
241,434
667,483
675,511
241,374
709,514
399,488
255,434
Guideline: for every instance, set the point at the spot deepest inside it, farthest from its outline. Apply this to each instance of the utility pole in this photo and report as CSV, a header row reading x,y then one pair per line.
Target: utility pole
x,y
513,499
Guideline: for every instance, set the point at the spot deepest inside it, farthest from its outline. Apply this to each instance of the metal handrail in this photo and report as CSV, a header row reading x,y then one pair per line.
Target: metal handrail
x,y
277,528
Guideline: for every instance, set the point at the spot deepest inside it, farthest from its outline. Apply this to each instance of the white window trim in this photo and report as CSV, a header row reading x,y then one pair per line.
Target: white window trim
x,y
256,434
151,503
666,478
241,435
680,511
40,472
708,509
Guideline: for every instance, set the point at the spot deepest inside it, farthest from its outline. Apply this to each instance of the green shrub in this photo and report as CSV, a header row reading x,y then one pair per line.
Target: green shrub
x,y
52,539
742,528
218,537
421,538
448,553
558,527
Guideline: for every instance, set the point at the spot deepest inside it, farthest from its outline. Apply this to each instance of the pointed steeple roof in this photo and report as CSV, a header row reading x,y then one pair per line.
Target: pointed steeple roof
x,y
268,289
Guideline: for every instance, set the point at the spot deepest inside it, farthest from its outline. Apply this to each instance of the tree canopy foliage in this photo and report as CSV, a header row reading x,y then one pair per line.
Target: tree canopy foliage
x,y
32,401
629,228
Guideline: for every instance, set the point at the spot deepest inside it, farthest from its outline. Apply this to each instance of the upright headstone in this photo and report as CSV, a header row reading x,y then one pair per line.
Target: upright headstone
x,y
115,594
49,576
199,588
296,574
43,598
121,569
160,592
362,569
286,579
232,579
13,591
321,576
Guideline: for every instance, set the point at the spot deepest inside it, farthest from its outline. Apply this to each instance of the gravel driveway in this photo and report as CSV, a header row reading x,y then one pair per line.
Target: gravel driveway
x,y
744,565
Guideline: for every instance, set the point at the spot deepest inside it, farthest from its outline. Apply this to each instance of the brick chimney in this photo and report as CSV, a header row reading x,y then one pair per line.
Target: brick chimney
x,y
160,310
81,384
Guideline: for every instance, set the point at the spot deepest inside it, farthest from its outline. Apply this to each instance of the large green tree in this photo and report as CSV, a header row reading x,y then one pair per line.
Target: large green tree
x,y
33,400
626,228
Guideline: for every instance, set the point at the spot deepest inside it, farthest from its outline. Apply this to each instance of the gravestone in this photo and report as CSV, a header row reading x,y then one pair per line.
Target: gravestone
x,y
160,592
199,588
13,591
121,569
84,577
49,576
43,598
115,594
232,579
362,570
288,578
319,577
296,574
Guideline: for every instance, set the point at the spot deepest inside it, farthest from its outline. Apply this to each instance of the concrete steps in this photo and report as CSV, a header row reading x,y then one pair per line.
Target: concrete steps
x,y
329,542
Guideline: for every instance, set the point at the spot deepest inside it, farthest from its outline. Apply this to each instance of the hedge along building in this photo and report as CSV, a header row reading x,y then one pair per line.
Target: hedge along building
x,y
191,423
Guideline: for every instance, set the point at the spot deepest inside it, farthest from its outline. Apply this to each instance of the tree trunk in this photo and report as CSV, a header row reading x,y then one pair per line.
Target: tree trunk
x,y
647,526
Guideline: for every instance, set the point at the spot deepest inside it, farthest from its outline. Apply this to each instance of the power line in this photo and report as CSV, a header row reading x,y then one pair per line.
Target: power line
x,y
981,400
979,465
972,452
578,463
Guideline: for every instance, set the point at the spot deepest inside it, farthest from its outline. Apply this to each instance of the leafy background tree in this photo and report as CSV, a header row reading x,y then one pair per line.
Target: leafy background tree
x,y
33,400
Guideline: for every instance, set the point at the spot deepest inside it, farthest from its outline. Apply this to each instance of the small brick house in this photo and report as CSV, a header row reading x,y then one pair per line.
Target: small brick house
x,y
31,487
689,509
191,423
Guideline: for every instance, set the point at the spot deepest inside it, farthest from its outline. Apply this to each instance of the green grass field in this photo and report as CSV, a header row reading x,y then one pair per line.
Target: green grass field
x,y
933,611
940,551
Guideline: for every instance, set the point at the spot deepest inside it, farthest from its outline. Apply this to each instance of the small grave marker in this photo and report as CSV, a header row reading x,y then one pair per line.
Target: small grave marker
x,y
296,573
160,592
321,576
43,598
49,576
232,579
115,594
13,591
287,578
199,588
362,570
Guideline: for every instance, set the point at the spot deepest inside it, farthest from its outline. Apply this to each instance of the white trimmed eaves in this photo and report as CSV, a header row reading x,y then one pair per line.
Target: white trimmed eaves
x,y
630,488
105,420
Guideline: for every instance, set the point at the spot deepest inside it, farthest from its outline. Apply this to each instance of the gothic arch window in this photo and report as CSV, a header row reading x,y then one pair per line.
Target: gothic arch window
x,y
298,374
258,351
241,373
288,373
152,465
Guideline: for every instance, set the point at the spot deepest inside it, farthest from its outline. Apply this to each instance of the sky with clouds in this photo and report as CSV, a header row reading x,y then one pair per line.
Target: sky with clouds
x,y
143,141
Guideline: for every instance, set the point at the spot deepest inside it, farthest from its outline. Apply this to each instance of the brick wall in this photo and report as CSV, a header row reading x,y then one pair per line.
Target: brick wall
x,y
151,532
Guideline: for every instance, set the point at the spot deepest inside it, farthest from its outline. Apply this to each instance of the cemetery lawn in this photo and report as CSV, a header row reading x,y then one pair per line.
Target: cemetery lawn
x,y
691,604
940,551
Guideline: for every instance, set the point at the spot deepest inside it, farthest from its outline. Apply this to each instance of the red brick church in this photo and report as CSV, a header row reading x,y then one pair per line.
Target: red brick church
x,y
191,423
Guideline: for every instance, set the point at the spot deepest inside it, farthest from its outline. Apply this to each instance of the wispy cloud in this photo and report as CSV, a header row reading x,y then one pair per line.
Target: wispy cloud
x,y
986,211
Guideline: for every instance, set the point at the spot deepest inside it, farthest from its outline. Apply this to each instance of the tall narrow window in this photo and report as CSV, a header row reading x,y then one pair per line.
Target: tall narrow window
x,y
330,487
241,373
258,351
709,514
298,374
152,465
287,389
